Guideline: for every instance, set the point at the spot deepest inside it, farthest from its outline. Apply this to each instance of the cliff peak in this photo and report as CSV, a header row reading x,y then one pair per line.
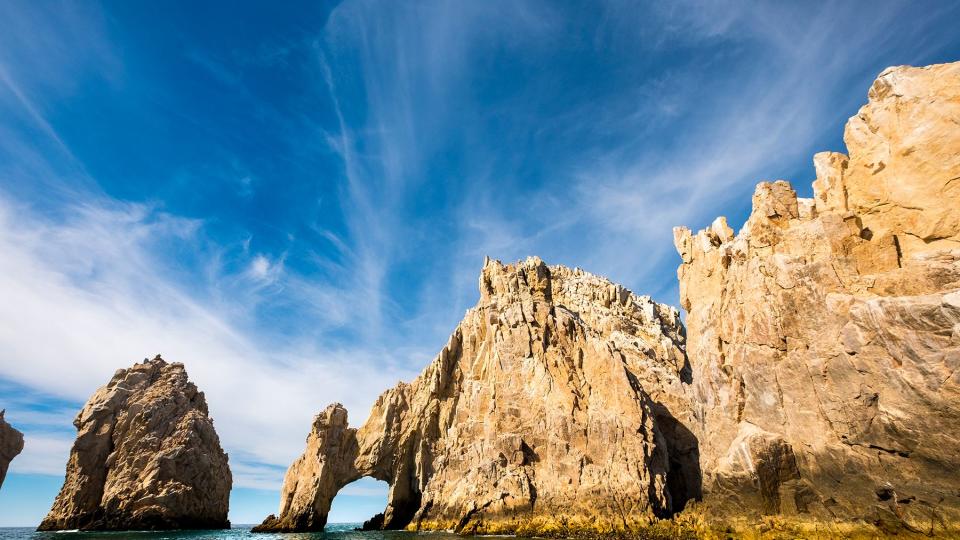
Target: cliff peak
x,y
823,338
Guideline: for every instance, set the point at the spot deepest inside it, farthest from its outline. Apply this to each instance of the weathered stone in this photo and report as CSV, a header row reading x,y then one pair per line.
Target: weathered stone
x,y
550,409
11,444
146,457
825,337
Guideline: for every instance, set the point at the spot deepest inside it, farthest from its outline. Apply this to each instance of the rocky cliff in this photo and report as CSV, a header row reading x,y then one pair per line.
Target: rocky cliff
x,y
824,338
550,410
146,457
11,444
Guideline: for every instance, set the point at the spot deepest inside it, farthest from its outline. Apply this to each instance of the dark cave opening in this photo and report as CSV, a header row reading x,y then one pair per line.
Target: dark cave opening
x,y
684,477
403,511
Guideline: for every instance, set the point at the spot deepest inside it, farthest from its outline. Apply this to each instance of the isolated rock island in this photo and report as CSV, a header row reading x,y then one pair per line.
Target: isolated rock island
x,y
817,384
146,457
11,444
534,417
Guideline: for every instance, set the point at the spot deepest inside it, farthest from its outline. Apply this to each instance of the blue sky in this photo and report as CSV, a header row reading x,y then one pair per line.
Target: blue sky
x,y
295,199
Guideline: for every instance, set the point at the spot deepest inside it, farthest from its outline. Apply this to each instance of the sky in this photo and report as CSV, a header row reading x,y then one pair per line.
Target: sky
x,y
295,199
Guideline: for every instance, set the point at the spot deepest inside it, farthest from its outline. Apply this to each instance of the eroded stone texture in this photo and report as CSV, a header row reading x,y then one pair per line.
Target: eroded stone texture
x,y
11,444
550,408
825,336
146,457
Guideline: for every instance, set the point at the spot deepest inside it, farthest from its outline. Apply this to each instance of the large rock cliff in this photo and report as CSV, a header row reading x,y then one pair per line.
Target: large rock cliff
x,y
549,410
11,444
146,457
825,337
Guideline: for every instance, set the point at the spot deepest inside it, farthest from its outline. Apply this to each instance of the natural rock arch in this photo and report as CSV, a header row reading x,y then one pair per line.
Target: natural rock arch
x,y
538,416
332,460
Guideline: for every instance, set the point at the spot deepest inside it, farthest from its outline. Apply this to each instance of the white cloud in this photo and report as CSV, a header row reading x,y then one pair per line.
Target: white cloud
x,y
43,453
90,294
260,266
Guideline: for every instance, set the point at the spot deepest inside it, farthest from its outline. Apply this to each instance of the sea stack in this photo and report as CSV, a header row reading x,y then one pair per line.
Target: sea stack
x,y
825,336
146,457
11,444
549,411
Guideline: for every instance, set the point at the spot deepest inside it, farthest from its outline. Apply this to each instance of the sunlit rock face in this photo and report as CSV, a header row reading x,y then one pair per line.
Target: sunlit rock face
x,y
11,444
825,337
146,457
551,408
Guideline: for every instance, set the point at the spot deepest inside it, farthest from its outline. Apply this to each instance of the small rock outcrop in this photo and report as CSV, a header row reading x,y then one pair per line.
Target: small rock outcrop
x,y
11,444
549,411
373,524
146,457
825,337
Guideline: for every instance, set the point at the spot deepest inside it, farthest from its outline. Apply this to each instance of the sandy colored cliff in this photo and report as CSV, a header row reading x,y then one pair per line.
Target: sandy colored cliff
x,y
547,412
824,337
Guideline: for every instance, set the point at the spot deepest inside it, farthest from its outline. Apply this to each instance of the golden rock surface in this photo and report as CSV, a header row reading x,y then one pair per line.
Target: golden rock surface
x,y
824,338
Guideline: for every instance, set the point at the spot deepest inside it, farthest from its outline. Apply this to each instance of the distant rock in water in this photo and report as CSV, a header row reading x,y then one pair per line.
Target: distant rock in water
x,y
549,410
11,444
373,524
825,336
146,457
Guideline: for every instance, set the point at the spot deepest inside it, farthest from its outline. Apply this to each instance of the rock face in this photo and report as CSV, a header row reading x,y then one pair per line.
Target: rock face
x,y
11,444
825,336
146,457
549,410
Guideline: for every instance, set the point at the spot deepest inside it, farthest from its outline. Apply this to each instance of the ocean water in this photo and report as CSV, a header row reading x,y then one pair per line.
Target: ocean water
x,y
335,531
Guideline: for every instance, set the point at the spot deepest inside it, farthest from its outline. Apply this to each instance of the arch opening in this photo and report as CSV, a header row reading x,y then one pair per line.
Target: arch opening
x,y
357,503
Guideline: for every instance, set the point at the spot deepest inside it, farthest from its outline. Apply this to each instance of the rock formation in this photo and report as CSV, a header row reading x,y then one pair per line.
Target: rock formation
x,y
146,457
11,444
825,337
549,410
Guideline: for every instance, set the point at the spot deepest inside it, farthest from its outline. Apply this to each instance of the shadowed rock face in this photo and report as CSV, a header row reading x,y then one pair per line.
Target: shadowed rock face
x,y
146,457
553,402
11,444
825,336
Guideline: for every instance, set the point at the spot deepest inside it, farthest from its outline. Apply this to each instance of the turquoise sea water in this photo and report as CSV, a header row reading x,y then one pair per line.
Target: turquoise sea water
x,y
338,531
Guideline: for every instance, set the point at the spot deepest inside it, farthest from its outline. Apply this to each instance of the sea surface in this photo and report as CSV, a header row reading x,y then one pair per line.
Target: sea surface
x,y
335,531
